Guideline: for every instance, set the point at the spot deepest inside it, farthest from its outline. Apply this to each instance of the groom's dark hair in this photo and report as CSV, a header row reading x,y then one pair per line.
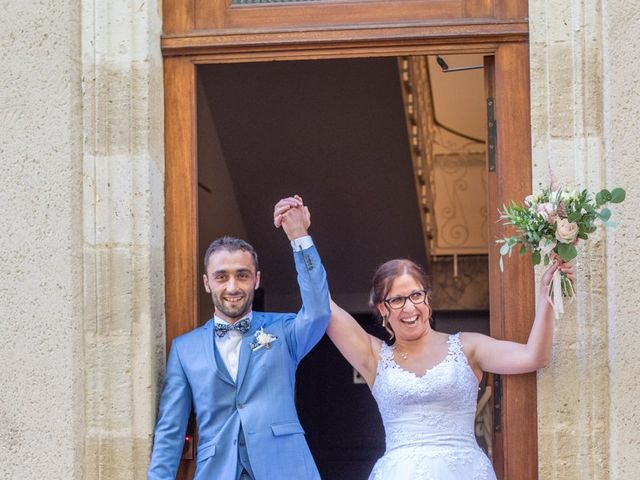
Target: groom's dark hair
x,y
231,244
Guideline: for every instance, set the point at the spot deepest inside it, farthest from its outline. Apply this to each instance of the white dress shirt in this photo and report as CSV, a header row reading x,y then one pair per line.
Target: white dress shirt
x,y
301,243
229,347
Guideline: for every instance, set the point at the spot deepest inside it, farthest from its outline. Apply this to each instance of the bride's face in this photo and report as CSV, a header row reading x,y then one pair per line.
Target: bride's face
x,y
410,321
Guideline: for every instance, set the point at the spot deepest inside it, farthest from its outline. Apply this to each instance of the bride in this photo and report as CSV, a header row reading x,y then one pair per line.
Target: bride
x,y
426,384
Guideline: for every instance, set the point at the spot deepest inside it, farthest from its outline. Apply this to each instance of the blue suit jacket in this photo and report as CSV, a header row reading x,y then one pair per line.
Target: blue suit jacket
x,y
261,399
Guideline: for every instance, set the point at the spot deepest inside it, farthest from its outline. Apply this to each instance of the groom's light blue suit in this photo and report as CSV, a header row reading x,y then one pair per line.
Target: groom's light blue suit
x,y
261,401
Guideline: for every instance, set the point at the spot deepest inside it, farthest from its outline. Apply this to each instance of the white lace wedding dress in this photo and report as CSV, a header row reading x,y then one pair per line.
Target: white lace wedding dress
x,y
429,420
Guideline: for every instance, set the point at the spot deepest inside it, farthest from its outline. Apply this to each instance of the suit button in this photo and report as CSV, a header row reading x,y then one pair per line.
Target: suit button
x,y
240,405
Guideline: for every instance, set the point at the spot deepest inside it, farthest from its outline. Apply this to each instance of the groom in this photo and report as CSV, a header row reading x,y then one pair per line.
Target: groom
x,y
237,371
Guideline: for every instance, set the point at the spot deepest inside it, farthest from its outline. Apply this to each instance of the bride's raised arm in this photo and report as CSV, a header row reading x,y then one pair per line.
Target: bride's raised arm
x,y
357,346
505,357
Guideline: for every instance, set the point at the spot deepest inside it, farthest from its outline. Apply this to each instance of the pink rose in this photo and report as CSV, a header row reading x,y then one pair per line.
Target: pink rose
x,y
547,211
566,231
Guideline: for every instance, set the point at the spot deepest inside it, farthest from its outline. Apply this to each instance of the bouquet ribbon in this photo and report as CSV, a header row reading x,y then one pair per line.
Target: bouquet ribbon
x,y
555,295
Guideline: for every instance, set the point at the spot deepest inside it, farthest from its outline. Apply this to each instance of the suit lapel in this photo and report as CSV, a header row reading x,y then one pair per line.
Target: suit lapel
x,y
212,352
245,350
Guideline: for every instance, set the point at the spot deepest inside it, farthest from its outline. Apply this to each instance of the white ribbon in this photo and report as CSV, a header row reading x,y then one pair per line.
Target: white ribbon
x,y
555,296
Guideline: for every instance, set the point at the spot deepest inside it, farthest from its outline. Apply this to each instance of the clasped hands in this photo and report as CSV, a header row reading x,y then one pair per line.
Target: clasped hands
x,y
294,218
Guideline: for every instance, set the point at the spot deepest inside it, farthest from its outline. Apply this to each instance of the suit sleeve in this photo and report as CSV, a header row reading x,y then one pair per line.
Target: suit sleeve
x,y
173,415
307,328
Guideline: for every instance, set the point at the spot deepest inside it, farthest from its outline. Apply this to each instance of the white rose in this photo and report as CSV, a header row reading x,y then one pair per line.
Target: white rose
x,y
566,231
547,245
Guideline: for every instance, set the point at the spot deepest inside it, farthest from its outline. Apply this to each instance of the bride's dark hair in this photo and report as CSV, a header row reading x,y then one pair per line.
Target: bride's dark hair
x,y
383,279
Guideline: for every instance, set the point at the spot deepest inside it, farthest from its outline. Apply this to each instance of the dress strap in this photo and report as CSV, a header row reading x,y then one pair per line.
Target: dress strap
x,y
455,347
386,355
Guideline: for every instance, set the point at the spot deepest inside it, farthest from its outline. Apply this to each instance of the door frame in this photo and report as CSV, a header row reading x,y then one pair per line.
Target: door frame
x,y
511,293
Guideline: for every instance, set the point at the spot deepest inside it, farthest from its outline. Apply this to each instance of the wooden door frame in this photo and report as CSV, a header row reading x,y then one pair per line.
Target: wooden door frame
x,y
512,292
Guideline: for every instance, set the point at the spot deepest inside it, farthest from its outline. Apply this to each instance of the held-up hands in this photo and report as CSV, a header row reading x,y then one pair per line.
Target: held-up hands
x,y
294,218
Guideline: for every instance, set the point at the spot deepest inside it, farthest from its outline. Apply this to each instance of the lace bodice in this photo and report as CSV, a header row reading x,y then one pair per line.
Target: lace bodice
x,y
431,415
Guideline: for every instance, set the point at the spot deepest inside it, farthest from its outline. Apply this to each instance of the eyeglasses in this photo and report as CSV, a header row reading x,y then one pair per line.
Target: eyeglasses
x,y
396,303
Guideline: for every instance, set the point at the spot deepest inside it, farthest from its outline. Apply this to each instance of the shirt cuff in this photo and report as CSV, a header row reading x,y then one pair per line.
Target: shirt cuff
x,y
301,243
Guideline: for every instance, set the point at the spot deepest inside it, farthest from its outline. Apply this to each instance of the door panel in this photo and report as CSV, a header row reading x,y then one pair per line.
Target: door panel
x,y
190,16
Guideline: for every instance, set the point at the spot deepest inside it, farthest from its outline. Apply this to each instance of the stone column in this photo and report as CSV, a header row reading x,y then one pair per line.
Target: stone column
x,y
123,204
583,139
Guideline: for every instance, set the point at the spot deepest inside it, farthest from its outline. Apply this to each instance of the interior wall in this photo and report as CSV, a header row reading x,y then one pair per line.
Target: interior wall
x,y
218,209
459,103
334,132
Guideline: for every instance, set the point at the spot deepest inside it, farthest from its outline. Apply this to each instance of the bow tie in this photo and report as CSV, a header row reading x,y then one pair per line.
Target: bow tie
x,y
241,326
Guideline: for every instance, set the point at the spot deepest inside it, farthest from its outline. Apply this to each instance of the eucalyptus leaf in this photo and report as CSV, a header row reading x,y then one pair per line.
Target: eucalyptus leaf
x,y
535,258
605,214
618,195
602,197
567,251
546,259
610,224
523,250
575,216
504,249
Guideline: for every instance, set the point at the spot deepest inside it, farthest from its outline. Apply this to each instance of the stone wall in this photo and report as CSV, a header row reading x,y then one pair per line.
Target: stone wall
x,y
81,254
585,111
41,290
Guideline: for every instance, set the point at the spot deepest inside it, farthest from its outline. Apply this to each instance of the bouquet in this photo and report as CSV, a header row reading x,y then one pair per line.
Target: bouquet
x,y
552,222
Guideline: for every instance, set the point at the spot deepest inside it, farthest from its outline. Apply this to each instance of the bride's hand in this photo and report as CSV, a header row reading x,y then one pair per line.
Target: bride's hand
x,y
568,268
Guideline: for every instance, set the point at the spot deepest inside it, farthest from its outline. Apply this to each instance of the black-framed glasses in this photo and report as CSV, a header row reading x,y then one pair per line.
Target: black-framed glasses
x,y
396,303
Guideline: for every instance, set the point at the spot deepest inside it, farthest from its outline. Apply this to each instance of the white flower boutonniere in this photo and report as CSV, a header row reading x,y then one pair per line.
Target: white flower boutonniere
x,y
263,339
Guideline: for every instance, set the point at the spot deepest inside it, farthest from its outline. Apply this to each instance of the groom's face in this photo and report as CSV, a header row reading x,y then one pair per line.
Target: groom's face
x,y
231,279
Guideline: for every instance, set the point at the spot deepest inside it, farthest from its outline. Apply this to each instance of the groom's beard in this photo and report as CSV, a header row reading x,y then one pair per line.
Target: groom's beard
x,y
233,310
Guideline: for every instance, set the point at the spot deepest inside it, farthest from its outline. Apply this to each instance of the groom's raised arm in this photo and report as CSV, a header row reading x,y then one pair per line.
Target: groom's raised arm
x,y
310,323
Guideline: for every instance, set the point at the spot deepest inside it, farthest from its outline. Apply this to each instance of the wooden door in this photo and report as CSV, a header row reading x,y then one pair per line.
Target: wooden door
x,y
498,31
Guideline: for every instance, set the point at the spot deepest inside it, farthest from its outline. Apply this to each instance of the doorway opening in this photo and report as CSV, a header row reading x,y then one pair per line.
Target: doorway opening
x,y
338,133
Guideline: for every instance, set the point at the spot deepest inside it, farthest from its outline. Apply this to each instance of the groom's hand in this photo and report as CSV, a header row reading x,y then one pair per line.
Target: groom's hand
x,y
291,214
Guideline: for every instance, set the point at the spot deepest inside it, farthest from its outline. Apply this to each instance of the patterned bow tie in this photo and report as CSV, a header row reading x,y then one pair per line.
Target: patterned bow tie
x,y
241,326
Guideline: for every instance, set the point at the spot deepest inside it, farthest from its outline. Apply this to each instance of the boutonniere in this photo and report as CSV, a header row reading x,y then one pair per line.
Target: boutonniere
x,y
263,339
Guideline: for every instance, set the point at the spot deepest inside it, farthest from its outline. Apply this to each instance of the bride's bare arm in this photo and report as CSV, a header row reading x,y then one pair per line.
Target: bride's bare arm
x,y
357,346
505,357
